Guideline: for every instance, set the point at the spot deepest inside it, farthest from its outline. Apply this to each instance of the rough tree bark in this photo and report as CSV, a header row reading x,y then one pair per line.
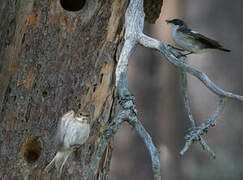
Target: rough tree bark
x,y
54,60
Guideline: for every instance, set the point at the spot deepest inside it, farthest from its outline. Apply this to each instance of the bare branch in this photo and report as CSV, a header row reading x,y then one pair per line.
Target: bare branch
x,y
207,148
178,60
155,44
134,34
149,144
134,21
203,128
186,98
105,136
188,110
196,133
211,122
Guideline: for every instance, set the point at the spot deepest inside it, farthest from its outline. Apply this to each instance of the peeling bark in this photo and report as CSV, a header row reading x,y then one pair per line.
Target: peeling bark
x,y
52,61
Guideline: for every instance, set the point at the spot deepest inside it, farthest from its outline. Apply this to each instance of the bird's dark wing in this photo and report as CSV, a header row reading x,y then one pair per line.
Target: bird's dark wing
x,y
209,43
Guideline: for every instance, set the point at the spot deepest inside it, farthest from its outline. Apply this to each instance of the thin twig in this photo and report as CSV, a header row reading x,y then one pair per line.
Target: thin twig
x,y
189,113
203,128
179,61
166,51
186,98
197,132
192,120
154,154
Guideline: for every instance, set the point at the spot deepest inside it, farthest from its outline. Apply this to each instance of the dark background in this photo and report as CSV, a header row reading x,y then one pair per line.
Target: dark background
x,y
155,84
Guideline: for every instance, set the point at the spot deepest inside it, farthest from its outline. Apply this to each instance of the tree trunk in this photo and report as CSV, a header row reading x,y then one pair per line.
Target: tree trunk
x,y
55,56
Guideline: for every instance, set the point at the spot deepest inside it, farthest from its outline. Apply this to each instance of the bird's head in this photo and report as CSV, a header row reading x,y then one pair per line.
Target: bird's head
x,y
176,23
83,117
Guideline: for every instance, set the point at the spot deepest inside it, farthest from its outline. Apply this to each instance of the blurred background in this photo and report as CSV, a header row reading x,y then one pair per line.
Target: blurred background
x,y
155,84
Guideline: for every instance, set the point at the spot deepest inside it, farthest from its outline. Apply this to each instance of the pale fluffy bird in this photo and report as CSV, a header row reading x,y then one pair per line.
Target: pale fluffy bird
x,y
72,132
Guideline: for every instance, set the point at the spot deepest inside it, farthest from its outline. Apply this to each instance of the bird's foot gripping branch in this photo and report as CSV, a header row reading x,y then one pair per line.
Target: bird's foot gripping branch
x,y
134,23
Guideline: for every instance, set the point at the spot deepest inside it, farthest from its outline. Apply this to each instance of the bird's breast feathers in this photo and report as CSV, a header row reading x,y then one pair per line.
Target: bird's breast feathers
x,y
77,134
193,41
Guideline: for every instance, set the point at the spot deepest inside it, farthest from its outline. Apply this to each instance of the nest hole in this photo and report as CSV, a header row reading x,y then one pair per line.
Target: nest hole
x,y
44,93
72,5
31,149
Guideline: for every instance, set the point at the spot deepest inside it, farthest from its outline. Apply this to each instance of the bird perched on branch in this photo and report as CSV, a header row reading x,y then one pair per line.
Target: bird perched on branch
x,y
72,132
192,41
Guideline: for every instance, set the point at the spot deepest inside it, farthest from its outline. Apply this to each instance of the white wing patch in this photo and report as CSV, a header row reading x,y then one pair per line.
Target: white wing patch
x,y
194,32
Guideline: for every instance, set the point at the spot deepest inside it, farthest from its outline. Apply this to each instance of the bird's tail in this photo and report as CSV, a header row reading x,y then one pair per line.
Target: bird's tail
x,y
50,165
59,160
222,49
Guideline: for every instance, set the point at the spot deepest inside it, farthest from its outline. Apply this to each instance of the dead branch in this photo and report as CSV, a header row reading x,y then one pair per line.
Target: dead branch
x,y
134,23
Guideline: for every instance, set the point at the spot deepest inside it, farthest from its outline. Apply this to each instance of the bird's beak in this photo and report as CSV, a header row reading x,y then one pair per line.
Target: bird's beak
x,y
167,21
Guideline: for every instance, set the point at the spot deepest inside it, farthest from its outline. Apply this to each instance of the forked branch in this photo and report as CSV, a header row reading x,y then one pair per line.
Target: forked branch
x,y
134,24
